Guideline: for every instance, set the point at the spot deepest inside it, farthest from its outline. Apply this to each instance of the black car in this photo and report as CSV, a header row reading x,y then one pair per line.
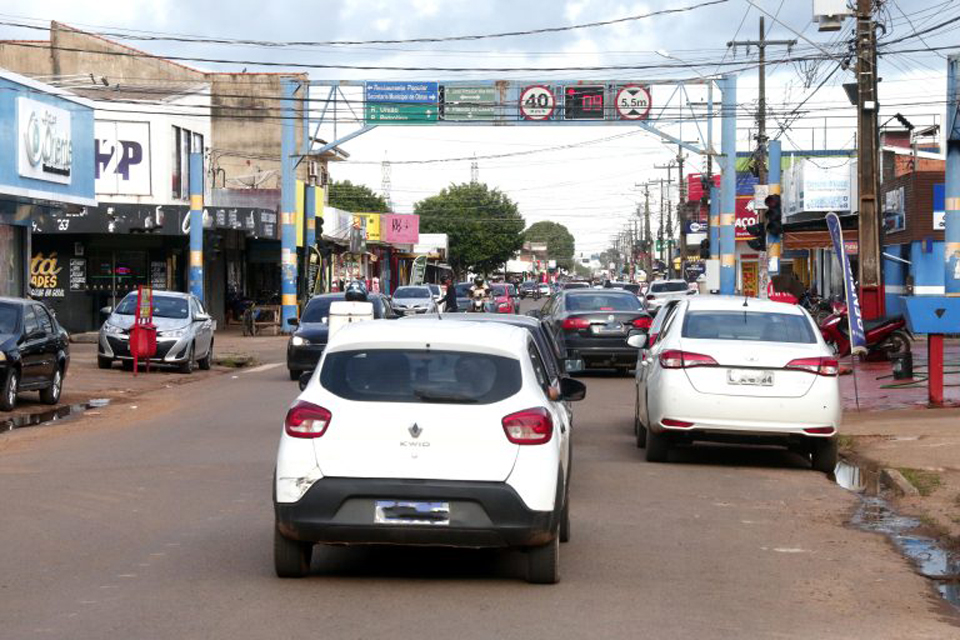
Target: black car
x,y
529,288
593,325
307,343
34,352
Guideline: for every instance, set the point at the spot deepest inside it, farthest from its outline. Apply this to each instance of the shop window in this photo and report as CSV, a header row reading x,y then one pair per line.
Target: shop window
x,y
184,141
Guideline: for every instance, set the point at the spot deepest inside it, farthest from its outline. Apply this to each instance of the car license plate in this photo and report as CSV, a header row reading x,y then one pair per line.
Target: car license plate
x,y
406,512
750,377
612,329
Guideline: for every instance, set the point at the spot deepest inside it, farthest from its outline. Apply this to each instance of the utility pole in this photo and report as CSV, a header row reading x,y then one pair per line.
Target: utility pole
x,y
681,215
668,234
647,236
871,278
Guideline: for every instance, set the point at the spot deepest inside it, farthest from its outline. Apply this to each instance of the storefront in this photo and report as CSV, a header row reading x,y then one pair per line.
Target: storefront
x,y
48,168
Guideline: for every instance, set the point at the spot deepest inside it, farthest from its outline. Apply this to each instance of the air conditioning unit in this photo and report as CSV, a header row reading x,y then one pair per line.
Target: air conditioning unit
x,y
829,14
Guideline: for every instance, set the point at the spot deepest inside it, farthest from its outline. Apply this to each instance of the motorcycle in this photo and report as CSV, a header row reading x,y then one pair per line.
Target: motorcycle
x,y
820,308
888,336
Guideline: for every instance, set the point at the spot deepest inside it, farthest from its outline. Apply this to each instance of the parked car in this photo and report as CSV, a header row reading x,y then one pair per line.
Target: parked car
x,y
592,325
662,290
413,299
34,352
307,343
503,302
427,434
722,368
184,332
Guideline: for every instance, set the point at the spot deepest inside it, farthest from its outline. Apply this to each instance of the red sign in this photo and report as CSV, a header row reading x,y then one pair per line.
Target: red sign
x,y
695,185
745,217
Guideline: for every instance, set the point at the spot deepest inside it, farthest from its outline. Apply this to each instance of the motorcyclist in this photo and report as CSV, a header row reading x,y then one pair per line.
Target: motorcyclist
x,y
356,291
479,294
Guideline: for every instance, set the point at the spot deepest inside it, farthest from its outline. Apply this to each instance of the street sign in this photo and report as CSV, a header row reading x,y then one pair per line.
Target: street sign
x,y
401,102
583,102
633,102
465,104
537,102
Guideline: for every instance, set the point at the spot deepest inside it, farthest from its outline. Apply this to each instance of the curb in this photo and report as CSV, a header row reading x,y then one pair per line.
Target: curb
x,y
895,480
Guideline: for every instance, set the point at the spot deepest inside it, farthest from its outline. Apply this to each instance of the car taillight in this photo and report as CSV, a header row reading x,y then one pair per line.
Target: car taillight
x,y
676,359
643,322
306,420
530,426
576,323
651,297
820,431
820,366
676,424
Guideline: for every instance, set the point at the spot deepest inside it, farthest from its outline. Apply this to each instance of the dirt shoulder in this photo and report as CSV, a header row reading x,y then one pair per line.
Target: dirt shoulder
x,y
924,446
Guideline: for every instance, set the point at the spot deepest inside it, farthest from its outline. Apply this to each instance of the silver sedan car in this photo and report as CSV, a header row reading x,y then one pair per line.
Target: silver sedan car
x,y
410,300
184,332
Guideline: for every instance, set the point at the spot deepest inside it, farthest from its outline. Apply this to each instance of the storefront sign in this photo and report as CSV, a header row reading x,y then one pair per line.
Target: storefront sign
x,y
158,275
78,274
400,229
372,222
746,216
749,277
45,276
122,151
158,220
45,146
939,207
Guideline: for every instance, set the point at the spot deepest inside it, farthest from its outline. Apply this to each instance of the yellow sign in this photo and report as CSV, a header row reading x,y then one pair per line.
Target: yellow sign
x,y
373,225
318,208
44,272
749,273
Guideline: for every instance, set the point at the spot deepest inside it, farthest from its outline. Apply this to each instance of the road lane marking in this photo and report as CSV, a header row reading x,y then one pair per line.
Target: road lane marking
x,y
264,367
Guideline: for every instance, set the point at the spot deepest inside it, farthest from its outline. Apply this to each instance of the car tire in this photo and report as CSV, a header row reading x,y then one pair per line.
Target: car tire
x,y
639,431
51,395
207,361
104,363
565,521
294,374
543,563
8,400
291,558
658,446
825,455
187,365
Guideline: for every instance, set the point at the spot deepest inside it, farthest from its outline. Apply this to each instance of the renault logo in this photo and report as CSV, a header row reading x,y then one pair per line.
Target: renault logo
x,y
415,430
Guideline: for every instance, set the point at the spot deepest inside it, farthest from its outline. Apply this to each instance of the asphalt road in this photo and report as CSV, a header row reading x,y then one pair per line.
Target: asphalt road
x,y
156,522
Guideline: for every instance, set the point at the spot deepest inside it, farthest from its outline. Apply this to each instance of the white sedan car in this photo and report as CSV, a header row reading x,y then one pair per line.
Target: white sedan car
x,y
427,434
736,369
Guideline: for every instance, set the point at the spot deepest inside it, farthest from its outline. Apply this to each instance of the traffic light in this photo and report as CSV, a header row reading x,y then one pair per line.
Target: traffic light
x,y
318,226
759,240
705,248
774,215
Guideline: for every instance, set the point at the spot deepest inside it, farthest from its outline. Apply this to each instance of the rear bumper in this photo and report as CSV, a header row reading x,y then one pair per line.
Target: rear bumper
x,y
482,514
598,352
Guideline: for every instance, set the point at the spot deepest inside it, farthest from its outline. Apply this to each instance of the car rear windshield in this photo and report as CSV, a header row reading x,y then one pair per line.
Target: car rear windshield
x,y
163,307
319,308
9,317
446,377
603,302
463,290
749,326
499,290
576,285
412,292
668,287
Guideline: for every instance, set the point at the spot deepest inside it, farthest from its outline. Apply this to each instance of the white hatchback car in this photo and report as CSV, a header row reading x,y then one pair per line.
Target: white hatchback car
x,y
735,369
427,434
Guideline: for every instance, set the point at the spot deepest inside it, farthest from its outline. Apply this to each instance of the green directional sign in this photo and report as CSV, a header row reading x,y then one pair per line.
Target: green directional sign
x,y
397,113
465,104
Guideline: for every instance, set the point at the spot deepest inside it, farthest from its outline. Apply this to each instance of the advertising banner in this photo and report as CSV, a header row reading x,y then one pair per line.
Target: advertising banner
x,y
939,207
746,216
44,141
858,340
400,228
122,151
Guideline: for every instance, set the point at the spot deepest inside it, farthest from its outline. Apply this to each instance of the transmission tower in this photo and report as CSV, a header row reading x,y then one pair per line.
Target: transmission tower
x,y
385,185
474,171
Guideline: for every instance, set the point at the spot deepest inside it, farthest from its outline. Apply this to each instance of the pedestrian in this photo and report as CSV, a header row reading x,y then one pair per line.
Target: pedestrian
x,y
450,297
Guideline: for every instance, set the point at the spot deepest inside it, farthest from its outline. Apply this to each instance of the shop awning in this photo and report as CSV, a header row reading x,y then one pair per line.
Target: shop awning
x,y
818,240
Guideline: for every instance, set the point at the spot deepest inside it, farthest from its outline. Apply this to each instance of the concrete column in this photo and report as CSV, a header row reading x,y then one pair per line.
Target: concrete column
x,y
774,241
714,222
728,187
951,234
310,212
196,224
288,208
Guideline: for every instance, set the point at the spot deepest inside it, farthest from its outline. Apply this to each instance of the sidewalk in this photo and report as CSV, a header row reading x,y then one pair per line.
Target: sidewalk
x,y
85,382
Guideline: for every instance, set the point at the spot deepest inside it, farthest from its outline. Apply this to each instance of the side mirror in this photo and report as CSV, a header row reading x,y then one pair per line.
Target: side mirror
x,y
305,379
572,390
201,317
106,310
637,340
293,322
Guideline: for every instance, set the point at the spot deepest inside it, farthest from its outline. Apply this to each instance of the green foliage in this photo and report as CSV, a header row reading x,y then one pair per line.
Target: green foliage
x,y
355,197
926,482
483,226
559,241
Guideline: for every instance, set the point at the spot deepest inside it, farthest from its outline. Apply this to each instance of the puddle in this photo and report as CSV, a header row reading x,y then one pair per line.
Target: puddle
x,y
51,416
874,514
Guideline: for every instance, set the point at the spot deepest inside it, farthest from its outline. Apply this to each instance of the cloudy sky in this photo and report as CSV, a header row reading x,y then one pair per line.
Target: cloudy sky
x,y
592,185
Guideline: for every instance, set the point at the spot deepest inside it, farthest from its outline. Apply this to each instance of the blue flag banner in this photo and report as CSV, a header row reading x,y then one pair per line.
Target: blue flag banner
x,y
858,338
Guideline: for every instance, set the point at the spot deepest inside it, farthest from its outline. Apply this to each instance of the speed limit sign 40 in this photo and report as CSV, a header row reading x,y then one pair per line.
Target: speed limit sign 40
x,y
633,102
537,102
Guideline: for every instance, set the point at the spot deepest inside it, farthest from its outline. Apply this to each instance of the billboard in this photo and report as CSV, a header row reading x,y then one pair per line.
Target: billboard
x,y
122,158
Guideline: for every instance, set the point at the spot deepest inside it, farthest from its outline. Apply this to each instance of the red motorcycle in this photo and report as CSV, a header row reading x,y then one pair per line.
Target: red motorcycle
x,y
888,336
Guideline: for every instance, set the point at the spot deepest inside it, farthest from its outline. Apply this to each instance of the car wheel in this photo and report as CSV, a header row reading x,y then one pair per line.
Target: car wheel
x,y
825,455
291,558
10,388
187,365
658,446
104,363
51,395
207,361
565,521
294,374
543,563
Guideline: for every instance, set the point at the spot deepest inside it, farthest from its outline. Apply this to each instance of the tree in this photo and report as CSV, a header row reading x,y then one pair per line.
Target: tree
x,y
357,198
559,241
483,226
